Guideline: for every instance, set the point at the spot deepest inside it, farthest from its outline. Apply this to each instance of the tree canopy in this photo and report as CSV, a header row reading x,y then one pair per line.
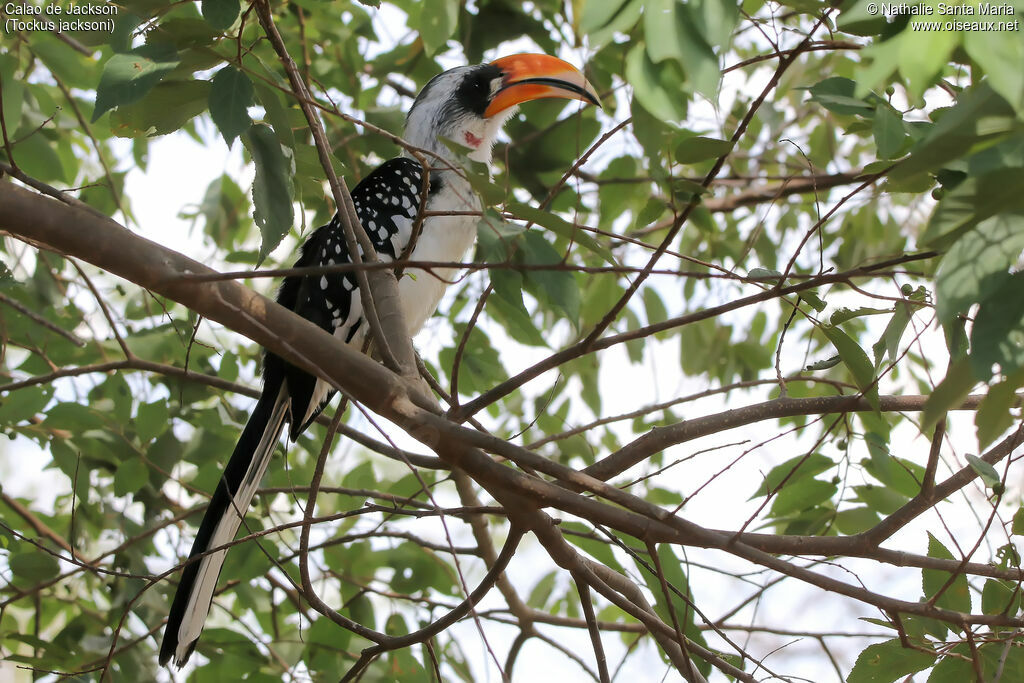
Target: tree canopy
x,y
729,388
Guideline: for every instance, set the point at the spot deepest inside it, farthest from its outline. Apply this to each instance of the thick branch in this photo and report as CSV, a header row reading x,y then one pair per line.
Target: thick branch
x,y
107,245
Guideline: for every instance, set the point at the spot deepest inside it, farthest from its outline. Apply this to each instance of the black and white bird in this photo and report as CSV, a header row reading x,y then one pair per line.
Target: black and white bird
x,y
468,105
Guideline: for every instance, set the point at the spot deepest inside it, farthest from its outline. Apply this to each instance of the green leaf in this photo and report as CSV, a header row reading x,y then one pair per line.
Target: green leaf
x,y
856,520
14,93
950,392
1018,522
583,537
562,228
1000,597
887,662
842,315
621,21
591,15
984,470
856,361
659,88
37,156
880,499
998,334
230,98
130,476
796,497
672,33
1000,53
980,117
272,189
655,309
675,577
888,131
813,300
164,109
34,565
480,367
700,148
128,77
542,590
889,343
151,419
792,471
973,201
994,416
957,596
437,22
221,14
556,287
836,95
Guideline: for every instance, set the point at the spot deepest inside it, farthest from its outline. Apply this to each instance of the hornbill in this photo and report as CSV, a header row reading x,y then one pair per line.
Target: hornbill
x,y
467,105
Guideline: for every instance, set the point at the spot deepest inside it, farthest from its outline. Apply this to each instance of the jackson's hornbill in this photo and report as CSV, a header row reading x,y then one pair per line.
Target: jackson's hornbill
x,y
468,105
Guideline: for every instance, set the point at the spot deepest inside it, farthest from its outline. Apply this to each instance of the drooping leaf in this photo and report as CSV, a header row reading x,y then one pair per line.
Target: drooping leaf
x,y
856,361
231,95
272,189
128,77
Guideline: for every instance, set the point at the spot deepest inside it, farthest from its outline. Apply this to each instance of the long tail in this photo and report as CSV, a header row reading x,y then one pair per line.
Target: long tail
x,y
223,517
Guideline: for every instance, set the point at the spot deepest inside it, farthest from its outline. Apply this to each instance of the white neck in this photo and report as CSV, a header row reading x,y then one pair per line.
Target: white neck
x,y
433,117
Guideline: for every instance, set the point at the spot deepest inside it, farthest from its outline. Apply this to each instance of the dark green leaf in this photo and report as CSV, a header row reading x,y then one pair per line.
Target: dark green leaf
x,y
856,360
34,565
130,476
128,77
221,14
836,95
950,392
151,420
562,228
230,98
164,109
889,343
272,189
557,287
979,116
700,148
888,131
842,315
998,334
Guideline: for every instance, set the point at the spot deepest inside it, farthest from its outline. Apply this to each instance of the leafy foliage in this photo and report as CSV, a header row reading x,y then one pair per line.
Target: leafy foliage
x,y
768,188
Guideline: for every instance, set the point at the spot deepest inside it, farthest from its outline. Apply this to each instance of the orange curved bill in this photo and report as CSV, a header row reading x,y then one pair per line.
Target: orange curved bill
x,y
532,77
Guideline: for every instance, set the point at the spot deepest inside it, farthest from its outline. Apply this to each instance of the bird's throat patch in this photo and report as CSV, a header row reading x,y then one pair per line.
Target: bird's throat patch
x,y
472,140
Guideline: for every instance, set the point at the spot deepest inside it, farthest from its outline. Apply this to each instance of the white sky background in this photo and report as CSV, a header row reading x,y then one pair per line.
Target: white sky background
x,y
179,171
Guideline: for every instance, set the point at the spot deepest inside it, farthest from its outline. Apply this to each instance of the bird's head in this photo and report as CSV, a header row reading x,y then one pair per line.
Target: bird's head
x,y
469,104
